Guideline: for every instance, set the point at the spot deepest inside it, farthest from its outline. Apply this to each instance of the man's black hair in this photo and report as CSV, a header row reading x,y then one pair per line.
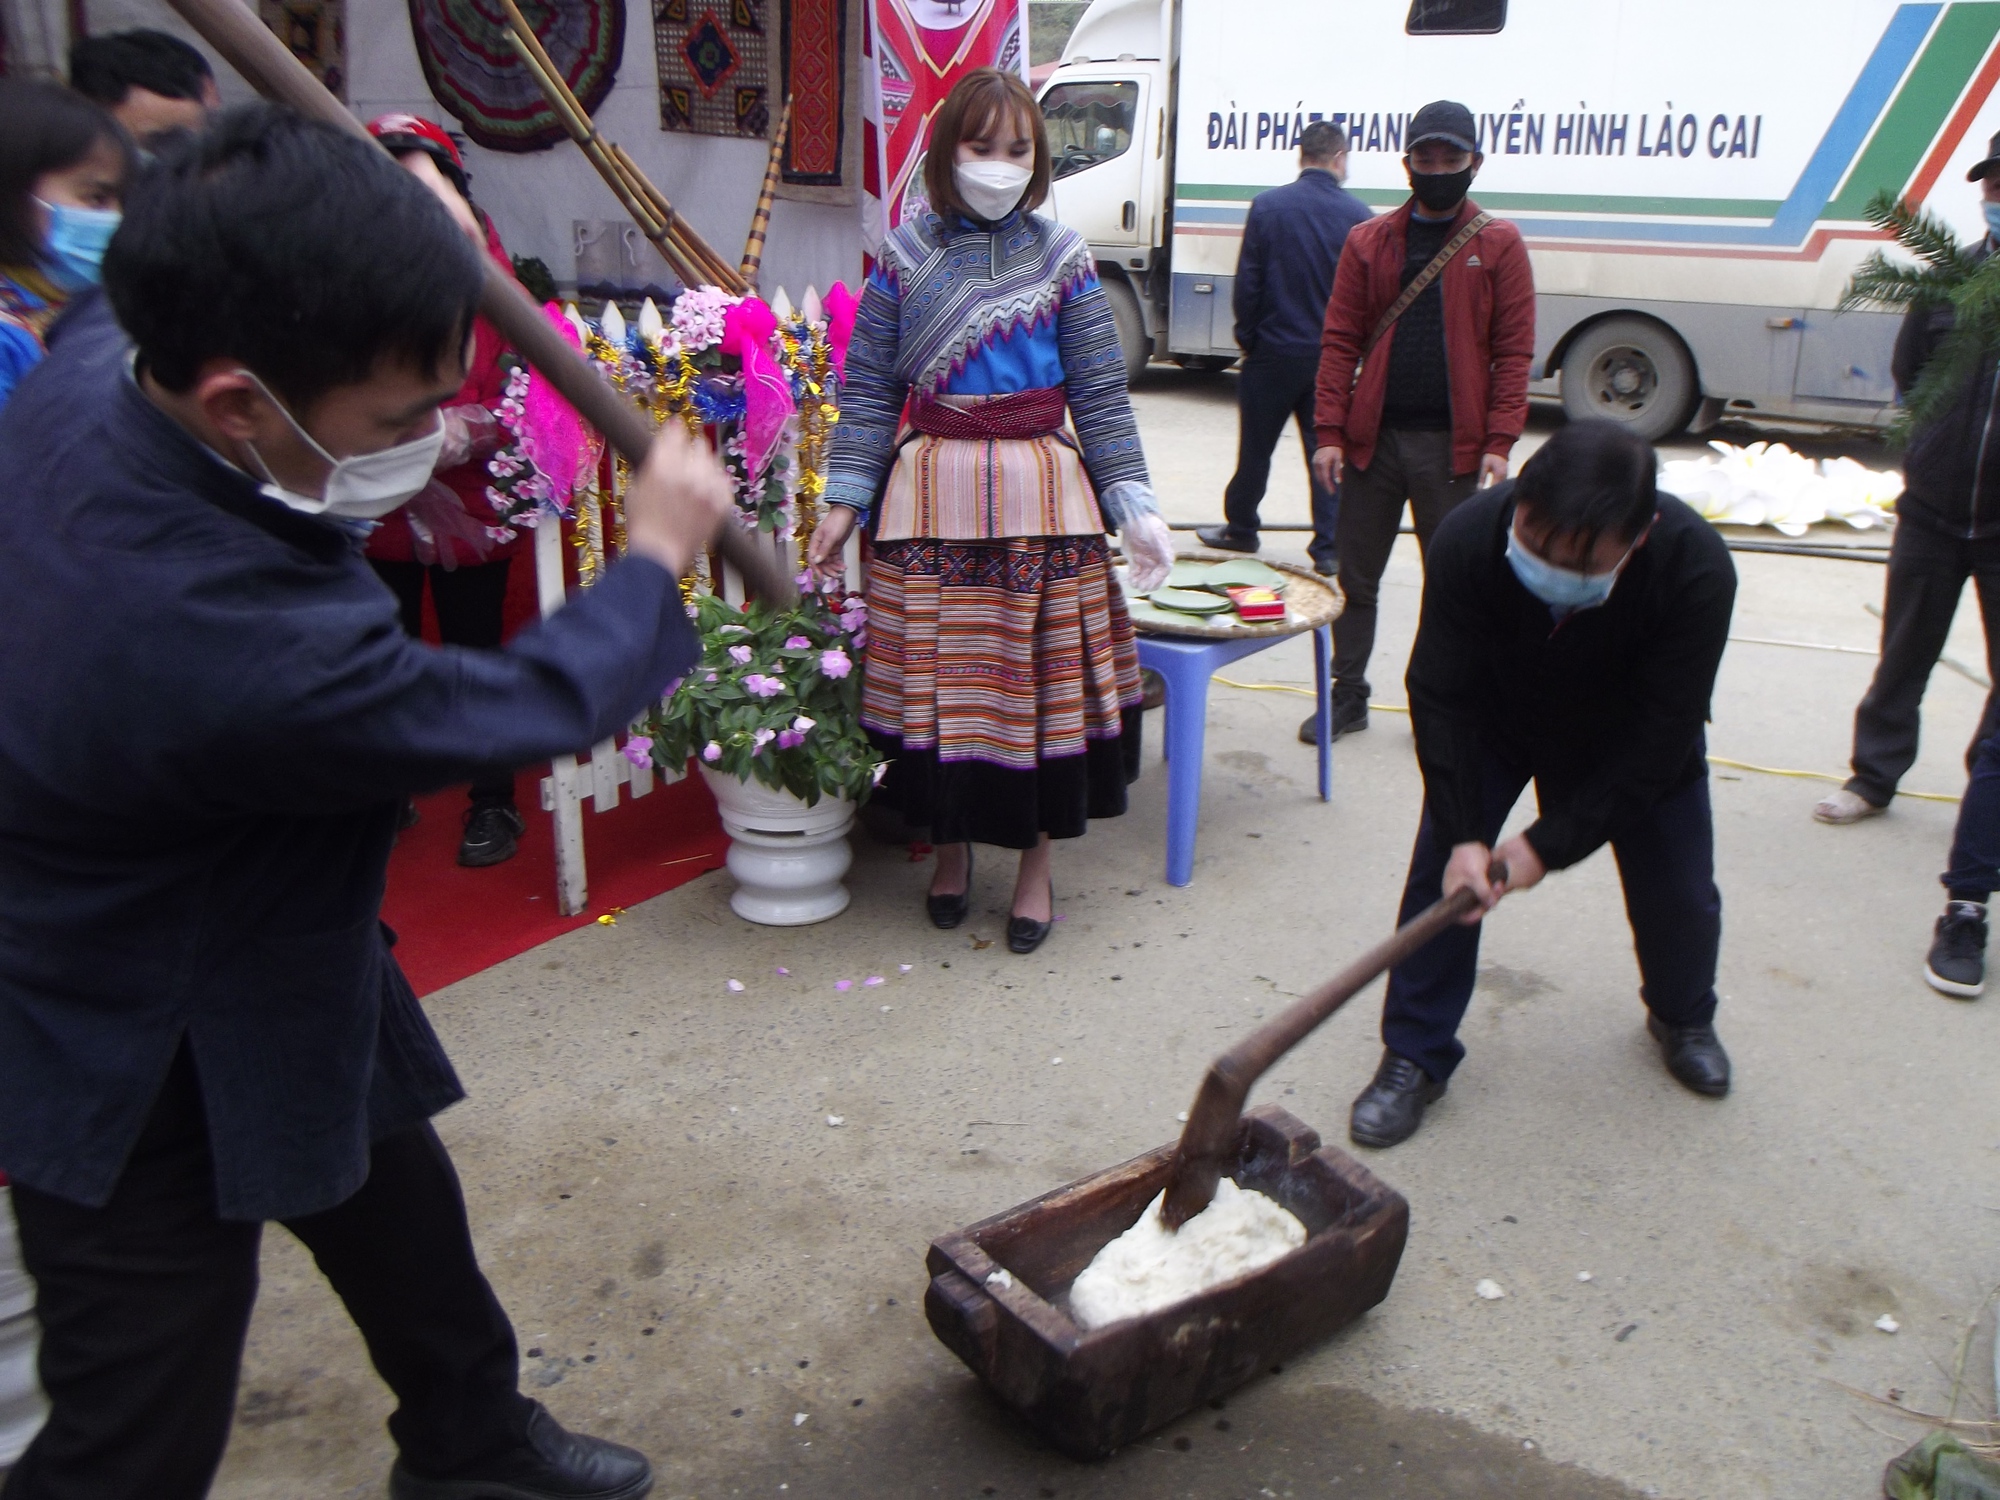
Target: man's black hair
x,y
44,127
301,250
106,68
1322,141
1589,480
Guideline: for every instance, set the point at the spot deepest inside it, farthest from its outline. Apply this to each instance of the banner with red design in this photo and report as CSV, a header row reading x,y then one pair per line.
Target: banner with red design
x,y
913,51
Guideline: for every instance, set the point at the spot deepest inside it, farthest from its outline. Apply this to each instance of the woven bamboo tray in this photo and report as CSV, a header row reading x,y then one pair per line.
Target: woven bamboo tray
x,y
1310,602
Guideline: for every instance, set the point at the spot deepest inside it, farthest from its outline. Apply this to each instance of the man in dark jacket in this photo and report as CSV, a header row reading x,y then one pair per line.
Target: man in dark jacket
x,y
209,718
1429,410
1284,273
1573,620
1947,528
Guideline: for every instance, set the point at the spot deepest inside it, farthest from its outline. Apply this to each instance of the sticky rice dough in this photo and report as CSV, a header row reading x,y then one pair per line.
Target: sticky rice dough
x,y
1149,1266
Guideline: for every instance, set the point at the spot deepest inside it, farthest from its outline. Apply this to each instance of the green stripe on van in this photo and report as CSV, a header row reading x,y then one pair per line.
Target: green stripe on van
x,y
1580,203
1919,108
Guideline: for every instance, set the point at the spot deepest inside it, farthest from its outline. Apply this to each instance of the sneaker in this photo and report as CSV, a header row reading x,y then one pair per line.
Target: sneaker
x,y
491,835
1226,538
1844,806
1350,716
1956,964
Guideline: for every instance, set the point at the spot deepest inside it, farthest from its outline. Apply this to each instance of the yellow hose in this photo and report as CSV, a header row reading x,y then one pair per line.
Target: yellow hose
x,y
1713,760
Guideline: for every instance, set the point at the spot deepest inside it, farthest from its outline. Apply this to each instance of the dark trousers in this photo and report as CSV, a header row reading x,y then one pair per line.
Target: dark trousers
x,y
1666,863
1974,871
1927,573
1412,466
144,1304
1274,389
471,605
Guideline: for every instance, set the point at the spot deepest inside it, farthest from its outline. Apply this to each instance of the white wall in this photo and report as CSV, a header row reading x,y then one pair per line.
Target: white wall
x,y
534,197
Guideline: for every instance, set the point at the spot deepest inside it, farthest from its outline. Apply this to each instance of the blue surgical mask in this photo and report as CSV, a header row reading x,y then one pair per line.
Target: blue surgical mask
x,y
77,240
1992,217
1560,588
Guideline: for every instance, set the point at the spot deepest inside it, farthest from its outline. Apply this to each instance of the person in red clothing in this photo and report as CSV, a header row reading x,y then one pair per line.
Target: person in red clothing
x,y
441,536
1423,407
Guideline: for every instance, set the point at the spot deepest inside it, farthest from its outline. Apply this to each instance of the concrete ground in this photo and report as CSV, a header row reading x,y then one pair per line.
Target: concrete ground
x,y
700,1264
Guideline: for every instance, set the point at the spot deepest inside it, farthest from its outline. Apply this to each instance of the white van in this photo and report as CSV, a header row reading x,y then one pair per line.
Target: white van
x,y
1690,178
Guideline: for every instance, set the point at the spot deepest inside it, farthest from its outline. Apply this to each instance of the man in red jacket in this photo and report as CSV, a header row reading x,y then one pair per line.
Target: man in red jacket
x,y
1422,406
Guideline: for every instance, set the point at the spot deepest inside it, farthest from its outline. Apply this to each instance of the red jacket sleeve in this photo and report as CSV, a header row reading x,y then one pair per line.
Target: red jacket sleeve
x,y
1512,347
1341,337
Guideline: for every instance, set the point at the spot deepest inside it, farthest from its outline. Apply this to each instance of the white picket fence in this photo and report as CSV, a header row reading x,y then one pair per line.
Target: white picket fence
x,y
607,776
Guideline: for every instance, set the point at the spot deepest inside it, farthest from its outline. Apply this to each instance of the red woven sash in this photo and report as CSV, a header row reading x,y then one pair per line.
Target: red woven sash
x,y
1021,414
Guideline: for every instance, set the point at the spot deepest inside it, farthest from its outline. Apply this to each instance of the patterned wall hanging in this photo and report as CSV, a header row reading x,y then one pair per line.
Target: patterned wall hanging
x,y
715,65
316,33
815,76
472,71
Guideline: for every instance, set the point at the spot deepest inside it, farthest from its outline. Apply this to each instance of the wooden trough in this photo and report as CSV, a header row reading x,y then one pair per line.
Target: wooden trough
x,y
1091,1392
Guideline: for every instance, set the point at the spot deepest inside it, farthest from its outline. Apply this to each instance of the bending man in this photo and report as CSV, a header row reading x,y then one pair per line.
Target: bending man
x,y
1573,620
209,718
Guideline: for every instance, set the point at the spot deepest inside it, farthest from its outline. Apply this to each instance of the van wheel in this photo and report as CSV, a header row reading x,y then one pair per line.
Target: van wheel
x,y
1631,371
1132,336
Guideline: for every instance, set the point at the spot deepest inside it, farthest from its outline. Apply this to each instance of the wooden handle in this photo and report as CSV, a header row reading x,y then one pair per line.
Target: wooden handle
x,y
269,67
1210,1137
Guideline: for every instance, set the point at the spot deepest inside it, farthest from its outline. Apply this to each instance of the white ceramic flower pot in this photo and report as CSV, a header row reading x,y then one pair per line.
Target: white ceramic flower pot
x,y
787,858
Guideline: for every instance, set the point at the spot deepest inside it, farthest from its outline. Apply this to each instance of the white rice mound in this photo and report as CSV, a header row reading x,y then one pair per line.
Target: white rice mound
x,y
1149,1267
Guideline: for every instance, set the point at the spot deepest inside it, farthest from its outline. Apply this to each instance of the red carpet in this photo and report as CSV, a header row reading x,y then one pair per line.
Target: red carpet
x,y
451,921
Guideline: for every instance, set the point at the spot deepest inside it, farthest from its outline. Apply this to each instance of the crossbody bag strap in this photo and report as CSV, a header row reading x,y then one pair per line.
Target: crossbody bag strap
x,y
1424,278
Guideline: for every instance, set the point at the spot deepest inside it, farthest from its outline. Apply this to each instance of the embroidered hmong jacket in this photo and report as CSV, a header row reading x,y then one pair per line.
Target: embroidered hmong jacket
x,y
959,311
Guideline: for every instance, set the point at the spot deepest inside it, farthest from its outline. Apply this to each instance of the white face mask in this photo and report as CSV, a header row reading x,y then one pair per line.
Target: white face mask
x,y
990,189
365,487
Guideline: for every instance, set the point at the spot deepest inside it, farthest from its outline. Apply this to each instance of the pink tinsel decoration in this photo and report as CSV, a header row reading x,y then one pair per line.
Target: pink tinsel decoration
x,y
747,330
560,442
840,307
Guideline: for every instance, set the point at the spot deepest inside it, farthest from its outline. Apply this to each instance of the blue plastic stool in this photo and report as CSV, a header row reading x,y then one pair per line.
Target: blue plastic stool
x,y
1185,665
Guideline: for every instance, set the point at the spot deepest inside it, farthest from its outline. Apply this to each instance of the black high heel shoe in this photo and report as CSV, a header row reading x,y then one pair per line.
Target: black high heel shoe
x,y
948,911
1025,934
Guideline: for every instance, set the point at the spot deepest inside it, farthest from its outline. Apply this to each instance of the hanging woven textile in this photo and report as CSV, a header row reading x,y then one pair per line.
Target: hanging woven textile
x,y
715,65
473,72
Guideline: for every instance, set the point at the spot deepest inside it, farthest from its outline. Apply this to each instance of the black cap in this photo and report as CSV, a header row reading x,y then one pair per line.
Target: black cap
x,y
1989,166
1444,121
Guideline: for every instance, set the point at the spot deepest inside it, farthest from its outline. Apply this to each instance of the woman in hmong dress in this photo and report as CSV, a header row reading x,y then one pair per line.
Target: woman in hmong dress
x,y
1001,679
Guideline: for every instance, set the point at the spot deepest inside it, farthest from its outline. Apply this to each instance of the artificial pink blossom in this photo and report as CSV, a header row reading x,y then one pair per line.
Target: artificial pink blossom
x,y
711,752
835,663
740,655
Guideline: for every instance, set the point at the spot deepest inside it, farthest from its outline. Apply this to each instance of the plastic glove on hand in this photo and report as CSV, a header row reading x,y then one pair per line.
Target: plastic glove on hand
x,y
1149,547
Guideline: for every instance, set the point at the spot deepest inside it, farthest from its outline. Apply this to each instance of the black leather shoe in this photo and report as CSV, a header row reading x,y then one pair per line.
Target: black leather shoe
x,y
948,911
1350,716
1325,564
1694,1056
1025,934
1226,538
1392,1107
553,1464
491,835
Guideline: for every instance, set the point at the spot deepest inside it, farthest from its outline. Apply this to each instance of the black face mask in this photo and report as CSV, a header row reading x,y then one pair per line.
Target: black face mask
x,y
1437,191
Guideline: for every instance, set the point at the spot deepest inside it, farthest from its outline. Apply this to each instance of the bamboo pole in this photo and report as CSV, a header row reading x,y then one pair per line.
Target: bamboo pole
x,y
753,247
269,67
690,257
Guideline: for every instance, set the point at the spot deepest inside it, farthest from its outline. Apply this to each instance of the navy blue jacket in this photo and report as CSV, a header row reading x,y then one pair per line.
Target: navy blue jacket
x,y
209,719
1284,273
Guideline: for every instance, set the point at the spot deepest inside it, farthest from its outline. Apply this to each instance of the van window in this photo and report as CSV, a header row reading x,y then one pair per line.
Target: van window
x,y
1089,123
1455,17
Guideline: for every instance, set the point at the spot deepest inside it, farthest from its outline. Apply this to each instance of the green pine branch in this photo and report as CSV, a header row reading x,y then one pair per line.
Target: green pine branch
x,y
1946,274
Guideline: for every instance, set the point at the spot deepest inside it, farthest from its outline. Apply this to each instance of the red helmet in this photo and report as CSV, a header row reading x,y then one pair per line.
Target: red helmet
x,y
400,131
